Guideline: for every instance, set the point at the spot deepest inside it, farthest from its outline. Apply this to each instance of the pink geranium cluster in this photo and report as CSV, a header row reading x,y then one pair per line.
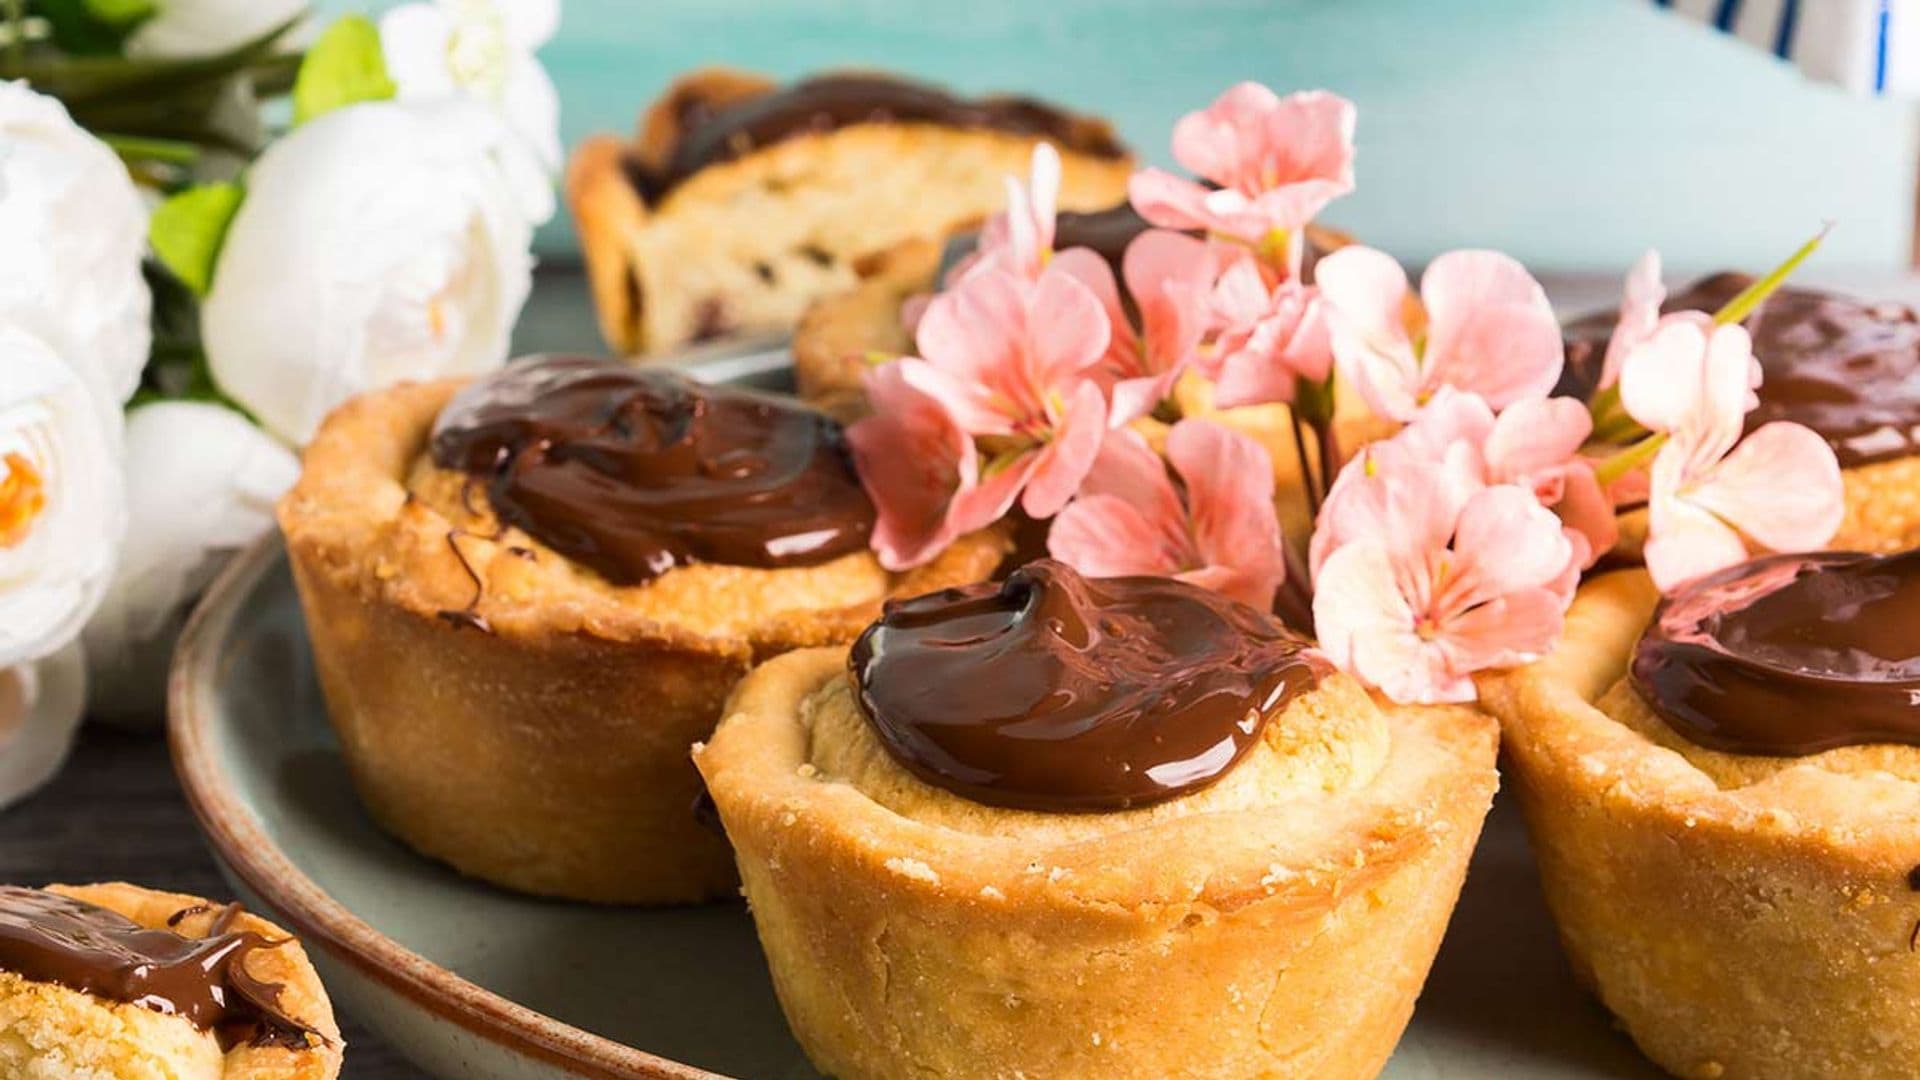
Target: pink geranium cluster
x,y
1030,364
1449,548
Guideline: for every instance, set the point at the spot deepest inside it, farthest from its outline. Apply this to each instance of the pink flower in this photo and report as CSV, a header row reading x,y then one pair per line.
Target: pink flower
x,y
1167,275
1693,383
1130,519
1278,161
1639,315
1271,339
1010,360
1020,238
916,464
1533,443
1447,581
1481,324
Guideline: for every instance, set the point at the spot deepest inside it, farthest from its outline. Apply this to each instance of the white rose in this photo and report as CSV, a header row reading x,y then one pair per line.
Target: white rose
x,y
73,230
483,51
193,29
62,501
377,243
40,708
201,484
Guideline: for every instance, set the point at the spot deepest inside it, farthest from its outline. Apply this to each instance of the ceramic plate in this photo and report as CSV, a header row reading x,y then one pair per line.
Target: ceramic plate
x,y
475,983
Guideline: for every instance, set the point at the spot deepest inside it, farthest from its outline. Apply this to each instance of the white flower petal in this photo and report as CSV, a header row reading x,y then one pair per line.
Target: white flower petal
x,y
201,483
190,29
55,567
377,243
73,230
40,708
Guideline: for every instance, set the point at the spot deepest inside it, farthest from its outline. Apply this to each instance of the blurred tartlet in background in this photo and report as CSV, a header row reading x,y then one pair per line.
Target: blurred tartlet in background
x,y
742,201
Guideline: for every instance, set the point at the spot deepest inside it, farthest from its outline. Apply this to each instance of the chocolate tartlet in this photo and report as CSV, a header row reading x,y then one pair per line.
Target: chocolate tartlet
x,y
1847,369
1723,789
530,594
1073,828
119,981
741,201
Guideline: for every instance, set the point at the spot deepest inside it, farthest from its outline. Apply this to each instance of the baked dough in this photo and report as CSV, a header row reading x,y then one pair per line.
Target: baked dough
x,y
744,245
51,1032
1744,917
548,751
1278,923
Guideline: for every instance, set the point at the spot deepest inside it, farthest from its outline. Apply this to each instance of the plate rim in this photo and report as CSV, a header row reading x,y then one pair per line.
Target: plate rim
x,y
243,845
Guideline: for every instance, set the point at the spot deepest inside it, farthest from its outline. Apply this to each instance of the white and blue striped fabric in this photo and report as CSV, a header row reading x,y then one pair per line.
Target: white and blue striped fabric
x,y
1868,46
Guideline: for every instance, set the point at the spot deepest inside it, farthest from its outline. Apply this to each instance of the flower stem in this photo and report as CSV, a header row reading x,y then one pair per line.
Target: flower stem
x,y
1307,481
1633,457
1329,453
1751,297
141,148
1294,602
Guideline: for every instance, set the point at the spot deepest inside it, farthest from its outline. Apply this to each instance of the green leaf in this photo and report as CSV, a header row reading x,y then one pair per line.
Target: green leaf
x,y
344,67
122,14
1751,297
187,230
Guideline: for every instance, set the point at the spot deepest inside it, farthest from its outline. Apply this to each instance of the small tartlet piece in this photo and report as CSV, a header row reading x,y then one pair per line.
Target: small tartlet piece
x,y
745,241
53,1032
1743,916
1279,922
513,713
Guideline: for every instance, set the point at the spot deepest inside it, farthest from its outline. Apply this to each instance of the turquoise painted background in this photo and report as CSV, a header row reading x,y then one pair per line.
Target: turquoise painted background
x,y
1572,133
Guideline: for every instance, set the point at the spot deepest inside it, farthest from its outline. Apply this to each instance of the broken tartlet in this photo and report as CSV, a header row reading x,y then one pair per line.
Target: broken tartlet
x,y
1846,368
1723,790
742,200
1074,827
117,981
529,594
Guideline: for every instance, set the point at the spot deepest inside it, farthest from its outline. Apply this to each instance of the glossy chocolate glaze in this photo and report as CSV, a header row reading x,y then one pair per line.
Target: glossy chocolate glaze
x,y
828,102
1789,654
1848,370
49,938
635,471
1055,692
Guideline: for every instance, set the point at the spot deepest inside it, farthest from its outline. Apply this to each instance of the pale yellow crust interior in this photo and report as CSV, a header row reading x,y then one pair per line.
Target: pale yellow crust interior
x,y
1744,916
50,1032
1277,923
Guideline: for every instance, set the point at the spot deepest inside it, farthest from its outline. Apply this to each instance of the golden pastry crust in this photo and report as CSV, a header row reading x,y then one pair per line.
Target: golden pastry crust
x,y
1742,916
1277,923
744,245
548,751
49,1032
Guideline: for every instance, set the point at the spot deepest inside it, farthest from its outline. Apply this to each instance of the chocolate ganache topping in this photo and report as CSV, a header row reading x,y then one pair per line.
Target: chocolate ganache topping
x,y
1846,369
1789,654
1054,692
633,472
828,102
49,938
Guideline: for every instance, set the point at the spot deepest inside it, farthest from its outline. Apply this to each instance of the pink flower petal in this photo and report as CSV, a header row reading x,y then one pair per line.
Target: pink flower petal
x,y
1106,536
1064,461
1368,629
1505,542
1168,201
1684,540
1491,329
1639,314
1536,436
1694,378
1516,628
1586,509
1367,300
914,460
1067,328
1781,486
1217,142
1229,480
